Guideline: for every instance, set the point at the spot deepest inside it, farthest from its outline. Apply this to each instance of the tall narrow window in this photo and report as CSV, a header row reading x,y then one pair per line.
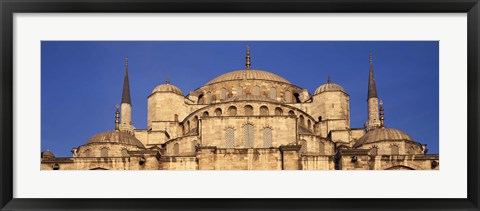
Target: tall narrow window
x,y
223,94
267,137
232,111
273,93
395,150
229,138
256,90
124,152
321,148
176,149
194,145
195,122
264,110
104,152
288,96
309,124
303,149
239,91
218,112
201,99
248,110
278,111
248,136
374,151
188,126
302,121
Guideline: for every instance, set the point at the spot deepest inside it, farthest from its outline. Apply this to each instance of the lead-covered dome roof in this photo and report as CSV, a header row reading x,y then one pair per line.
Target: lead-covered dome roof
x,y
116,136
329,87
167,87
248,75
382,134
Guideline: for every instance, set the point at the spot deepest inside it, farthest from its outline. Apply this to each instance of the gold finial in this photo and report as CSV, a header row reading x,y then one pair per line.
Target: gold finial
x,y
117,117
371,58
329,80
248,58
126,62
382,115
167,81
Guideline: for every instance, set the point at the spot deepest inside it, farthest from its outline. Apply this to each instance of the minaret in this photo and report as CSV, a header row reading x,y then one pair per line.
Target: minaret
x,y
382,115
247,58
117,117
126,105
373,119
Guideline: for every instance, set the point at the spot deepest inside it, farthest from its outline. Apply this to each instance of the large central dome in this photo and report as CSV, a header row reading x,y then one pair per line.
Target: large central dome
x,y
248,75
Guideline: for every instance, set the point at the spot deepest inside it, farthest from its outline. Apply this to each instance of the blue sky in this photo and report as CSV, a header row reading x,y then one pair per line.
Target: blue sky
x,y
81,82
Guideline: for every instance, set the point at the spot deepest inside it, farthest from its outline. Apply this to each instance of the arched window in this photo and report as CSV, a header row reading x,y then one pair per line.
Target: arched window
x,y
303,149
195,122
223,93
104,152
124,152
205,113
288,96
309,124
267,137
291,113
209,97
256,90
297,97
239,91
264,110
87,153
201,99
374,151
278,111
176,149
273,93
188,126
302,121
248,110
232,111
395,150
218,112
248,136
229,138
321,148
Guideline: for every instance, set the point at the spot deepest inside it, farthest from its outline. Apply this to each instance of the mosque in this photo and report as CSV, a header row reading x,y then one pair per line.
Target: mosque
x,y
248,120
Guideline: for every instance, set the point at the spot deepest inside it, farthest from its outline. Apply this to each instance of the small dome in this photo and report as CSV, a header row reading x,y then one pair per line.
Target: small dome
x,y
382,134
47,154
249,75
329,87
116,136
167,87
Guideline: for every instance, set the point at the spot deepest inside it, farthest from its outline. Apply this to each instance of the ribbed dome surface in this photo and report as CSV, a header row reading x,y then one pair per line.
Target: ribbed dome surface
x,y
116,136
248,74
249,98
328,88
382,134
167,88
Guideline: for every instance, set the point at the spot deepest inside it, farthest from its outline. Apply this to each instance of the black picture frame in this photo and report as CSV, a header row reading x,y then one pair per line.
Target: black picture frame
x,y
10,7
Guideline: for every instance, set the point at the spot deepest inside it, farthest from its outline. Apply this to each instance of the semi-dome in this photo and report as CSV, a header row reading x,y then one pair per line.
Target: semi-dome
x,y
329,87
47,154
167,87
382,134
116,136
248,75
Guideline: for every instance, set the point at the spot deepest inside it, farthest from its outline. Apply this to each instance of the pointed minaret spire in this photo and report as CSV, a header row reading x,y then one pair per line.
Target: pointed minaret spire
x,y
117,118
247,57
126,85
372,87
329,80
382,115
373,117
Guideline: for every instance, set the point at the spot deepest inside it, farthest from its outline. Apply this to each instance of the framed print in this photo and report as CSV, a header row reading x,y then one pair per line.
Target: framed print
x,y
239,105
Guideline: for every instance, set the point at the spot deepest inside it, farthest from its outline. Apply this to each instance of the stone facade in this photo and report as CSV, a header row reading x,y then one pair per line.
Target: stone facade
x,y
248,120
